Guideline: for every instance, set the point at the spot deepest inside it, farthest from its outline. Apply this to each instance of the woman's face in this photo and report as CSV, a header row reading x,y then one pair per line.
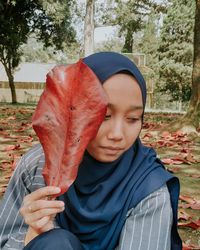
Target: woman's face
x,y
123,120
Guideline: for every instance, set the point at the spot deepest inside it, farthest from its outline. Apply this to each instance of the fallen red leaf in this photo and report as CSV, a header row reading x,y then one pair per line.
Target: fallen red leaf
x,y
11,118
173,169
178,134
187,199
147,136
12,147
185,150
190,158
166,134
195,206
180,159
5,165
190,247
192,224
193,175
171,161
182,215
191,202
148,125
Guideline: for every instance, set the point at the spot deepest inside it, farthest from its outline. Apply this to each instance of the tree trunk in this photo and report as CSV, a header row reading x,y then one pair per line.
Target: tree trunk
x,y
193,112
191,120
12,88
89,28
11,83
128,45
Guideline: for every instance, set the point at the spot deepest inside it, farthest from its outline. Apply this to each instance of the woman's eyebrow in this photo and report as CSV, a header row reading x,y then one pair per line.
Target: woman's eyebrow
x,y
131,107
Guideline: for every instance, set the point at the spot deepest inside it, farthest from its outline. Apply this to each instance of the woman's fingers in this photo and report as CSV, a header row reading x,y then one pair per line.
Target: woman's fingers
x,y
41,223
32,217
41,193
42,204
38,211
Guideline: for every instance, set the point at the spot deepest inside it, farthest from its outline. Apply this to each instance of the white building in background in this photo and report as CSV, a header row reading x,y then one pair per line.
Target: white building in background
x,y
30,79
29,82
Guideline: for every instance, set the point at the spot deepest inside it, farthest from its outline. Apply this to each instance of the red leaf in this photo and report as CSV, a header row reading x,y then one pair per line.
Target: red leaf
x,y
147,136
167,161
195,206
192,224
192,202
148,125
166,134
11,118
174,169
178,134
187,199
185,150
5,165
12,147
190,158
68,116
190,247
172,161
193,175
182,215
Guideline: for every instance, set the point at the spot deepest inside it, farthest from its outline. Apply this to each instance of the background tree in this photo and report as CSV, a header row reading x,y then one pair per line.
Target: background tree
x,y
34,51
20,18
130,16
89,28
149,40
191,121
175,50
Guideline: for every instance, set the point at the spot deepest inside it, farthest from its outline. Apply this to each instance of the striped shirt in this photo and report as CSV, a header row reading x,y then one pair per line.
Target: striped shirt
x,y
147,226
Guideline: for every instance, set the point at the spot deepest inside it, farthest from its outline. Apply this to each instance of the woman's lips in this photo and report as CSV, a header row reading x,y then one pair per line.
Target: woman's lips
x,y
112,150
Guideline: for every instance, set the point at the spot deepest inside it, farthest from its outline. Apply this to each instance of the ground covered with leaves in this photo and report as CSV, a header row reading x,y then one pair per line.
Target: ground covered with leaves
x,y
180,153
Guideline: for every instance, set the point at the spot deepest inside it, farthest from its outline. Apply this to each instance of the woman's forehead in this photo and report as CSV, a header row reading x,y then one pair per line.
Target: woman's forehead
x,y
121,81
123,90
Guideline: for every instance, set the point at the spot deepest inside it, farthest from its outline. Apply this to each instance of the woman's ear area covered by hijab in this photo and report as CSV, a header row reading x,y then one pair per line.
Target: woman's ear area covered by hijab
x,y
123,120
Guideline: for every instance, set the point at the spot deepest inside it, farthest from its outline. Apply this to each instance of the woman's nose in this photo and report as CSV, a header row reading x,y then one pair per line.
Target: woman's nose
x,y
115,131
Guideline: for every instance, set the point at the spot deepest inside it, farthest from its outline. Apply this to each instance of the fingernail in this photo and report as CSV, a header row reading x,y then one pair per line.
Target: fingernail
x,y
62,204
57,189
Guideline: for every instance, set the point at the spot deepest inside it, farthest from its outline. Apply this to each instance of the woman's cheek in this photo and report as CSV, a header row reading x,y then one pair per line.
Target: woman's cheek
x,y
134,132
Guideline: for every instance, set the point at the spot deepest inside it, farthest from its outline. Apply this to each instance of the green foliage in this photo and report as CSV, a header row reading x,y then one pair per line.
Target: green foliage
x,y
176,50
34,51
111,44
18,19
149,41
130,16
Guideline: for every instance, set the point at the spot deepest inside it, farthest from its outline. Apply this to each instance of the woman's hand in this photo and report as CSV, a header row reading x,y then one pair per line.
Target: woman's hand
x,y
38,211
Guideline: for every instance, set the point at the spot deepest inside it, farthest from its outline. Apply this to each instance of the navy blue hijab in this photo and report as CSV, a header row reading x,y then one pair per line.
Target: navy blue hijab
x,y
102,194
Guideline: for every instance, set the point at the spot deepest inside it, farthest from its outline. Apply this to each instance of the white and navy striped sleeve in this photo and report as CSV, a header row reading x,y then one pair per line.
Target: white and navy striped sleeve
x,y
25,179
148,225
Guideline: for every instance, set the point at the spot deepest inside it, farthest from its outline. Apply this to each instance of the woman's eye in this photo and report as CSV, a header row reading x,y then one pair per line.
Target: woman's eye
x,y
134,119
107,117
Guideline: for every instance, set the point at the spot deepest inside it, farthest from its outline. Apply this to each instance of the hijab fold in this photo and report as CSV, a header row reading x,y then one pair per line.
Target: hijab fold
x,y
103,193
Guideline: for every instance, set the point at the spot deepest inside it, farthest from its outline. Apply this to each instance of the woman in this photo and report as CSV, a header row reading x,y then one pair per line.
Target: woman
x,y
122,198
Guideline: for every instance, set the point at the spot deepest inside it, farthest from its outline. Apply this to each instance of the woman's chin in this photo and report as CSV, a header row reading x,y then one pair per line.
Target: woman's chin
x,y
107,157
